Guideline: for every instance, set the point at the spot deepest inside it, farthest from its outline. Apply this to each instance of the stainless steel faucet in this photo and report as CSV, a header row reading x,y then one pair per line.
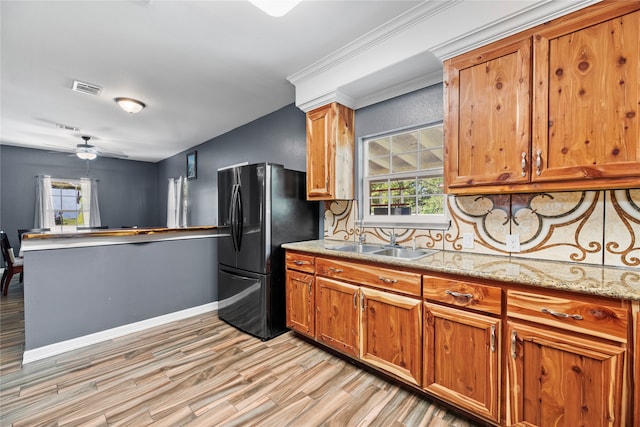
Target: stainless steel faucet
x,y
392,238
362,238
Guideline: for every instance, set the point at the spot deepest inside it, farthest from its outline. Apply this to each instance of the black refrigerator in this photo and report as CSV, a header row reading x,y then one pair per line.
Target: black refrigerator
x,y
260,207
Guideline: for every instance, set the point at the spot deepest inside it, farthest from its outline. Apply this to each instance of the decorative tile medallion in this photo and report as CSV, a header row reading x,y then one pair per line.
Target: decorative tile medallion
x,y
591,227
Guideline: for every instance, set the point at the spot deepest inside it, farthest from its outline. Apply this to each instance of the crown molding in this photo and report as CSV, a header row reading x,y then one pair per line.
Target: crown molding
x,y
384,32
441,28
536,14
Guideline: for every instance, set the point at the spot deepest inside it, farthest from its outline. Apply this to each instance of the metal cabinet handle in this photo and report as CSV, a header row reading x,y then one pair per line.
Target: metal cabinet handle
x,y
514,337
362,301
493,338
385,280
561,315
335,270
538,162
298,262
458,294
524,164
355,300
309,285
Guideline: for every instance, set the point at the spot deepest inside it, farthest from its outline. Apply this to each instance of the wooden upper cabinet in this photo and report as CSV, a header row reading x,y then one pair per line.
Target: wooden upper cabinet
x,y
330,152
587,113
555,107
488,116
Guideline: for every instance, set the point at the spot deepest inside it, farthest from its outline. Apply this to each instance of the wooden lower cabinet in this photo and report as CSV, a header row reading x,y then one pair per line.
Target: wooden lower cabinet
x,y
300,302
337,315
392,333
462,359
556,378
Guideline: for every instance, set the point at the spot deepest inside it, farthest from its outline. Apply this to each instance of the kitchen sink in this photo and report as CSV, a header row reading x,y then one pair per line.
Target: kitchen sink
x,y
357,248
404,253
393,252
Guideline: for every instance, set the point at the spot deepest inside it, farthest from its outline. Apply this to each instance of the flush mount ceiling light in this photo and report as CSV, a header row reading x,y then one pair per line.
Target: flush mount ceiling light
x,y
130,105
275,8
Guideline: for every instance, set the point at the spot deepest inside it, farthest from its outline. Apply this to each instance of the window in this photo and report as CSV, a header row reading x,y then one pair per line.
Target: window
x,y
403,178
67,204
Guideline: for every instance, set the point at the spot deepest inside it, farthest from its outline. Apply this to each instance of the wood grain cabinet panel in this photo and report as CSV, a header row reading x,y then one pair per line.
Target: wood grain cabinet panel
x,y
587,101
300,262
462,359
553,108
571,313
366,274
338,316
557,378
461,293
392,333
330,152
299,291
487,122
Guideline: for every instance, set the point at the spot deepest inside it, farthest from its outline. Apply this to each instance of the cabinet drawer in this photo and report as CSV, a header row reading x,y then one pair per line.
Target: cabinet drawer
x,y
591,318
463,294
300,262
366,274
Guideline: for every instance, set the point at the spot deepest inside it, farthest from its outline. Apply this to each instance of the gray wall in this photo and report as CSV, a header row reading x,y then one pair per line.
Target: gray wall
x,y
127,191
80,291
279,137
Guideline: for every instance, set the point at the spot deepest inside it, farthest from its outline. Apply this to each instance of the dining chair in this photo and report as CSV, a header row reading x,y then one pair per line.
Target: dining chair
x,y
13,265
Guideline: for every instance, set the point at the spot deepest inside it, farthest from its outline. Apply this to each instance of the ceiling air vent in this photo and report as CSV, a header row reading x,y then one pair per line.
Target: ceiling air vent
x,y
67,127
87,88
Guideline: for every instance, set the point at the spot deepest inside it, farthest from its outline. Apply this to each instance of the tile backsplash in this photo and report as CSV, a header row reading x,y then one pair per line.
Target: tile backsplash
x,y
592,227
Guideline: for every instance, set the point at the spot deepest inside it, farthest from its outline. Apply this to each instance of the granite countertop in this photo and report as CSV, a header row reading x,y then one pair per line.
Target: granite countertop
x,y
612,282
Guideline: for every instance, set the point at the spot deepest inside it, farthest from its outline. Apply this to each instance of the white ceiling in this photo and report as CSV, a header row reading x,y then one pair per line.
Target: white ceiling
x,y
202,68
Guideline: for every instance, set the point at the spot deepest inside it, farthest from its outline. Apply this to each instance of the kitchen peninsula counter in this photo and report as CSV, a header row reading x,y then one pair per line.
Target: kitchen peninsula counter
x,y
610,282
39,241
85,287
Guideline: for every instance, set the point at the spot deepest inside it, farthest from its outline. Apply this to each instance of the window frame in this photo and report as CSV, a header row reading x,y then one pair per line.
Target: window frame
x,y
58,184
429,221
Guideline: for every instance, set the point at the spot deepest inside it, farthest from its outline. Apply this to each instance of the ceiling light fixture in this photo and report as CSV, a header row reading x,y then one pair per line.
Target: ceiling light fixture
x,y
86,155
275,8
130,105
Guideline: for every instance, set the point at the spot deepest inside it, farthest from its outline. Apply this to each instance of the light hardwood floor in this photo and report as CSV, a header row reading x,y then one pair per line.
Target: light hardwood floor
x,y
196,372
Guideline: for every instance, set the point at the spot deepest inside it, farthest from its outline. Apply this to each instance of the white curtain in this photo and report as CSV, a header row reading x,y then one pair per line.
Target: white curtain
x,y
89,202
177,205
44,215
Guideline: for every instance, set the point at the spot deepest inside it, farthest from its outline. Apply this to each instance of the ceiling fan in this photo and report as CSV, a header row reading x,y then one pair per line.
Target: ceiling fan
x,y
87,151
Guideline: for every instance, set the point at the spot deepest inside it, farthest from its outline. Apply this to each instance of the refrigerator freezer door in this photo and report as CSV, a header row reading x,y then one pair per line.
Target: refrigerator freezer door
x,y
245,301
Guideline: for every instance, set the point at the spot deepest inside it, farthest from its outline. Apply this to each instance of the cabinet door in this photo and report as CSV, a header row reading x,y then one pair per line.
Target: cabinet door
x,y
557,378
461,355
487,133
337,315
330,151
300,304
392,333
589,82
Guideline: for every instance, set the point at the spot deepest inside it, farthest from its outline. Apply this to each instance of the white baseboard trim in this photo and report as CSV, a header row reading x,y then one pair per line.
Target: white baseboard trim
x,y
83,341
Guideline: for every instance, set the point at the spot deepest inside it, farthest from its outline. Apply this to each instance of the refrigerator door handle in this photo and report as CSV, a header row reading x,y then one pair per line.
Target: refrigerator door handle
x,y
240,217
232,217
